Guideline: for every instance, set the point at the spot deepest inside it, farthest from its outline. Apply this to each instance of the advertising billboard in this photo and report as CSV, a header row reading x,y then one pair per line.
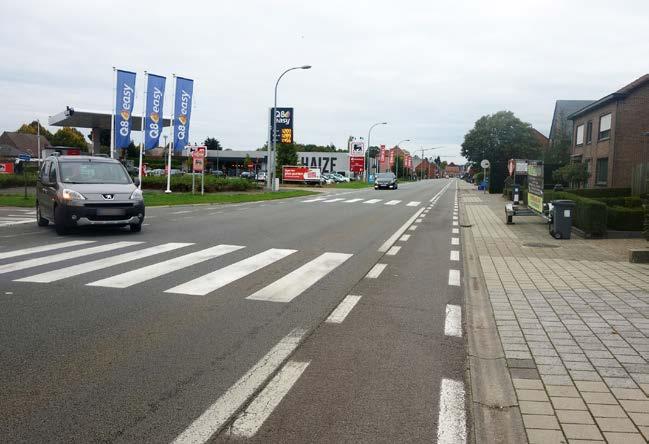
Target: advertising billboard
x,y
535,185
283,124
300,174
327,162
198,159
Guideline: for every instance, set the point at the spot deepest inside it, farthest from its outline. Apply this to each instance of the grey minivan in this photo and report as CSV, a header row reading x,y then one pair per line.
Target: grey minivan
x,y
87,190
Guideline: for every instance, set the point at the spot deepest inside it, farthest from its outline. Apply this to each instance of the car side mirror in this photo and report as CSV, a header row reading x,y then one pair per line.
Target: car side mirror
x,y
136,182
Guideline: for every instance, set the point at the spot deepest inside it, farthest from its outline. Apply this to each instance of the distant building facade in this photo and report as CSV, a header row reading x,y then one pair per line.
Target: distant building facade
x,y
608,135
23,142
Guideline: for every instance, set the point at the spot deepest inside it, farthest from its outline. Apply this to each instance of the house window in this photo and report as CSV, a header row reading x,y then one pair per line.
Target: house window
x,y
605,126
580,135
601,177
589,131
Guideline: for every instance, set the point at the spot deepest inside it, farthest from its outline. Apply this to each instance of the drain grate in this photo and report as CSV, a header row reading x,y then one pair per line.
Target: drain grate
x,y
540,245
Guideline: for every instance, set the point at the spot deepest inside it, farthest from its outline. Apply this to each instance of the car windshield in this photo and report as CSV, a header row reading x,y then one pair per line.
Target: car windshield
x,y
93,172
385,176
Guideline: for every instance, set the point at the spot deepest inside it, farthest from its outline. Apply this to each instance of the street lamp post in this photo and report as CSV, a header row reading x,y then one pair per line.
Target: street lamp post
x,y
396,157
271,167
422,155
369,134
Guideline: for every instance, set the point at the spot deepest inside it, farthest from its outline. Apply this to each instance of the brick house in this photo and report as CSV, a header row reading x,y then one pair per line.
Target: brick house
x,y
25,143
608,135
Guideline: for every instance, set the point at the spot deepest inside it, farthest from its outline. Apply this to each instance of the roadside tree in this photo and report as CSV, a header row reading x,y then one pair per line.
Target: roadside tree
x,y
70,137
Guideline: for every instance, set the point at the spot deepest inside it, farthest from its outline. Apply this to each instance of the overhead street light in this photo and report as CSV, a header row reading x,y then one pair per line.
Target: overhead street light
x,y
270,167
369,134
422,155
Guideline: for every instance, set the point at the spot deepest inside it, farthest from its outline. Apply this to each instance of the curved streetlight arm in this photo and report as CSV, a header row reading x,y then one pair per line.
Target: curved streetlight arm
x,y
369,134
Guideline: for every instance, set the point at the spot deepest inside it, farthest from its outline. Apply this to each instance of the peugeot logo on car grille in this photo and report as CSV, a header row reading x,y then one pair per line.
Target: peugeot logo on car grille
x,y
108,196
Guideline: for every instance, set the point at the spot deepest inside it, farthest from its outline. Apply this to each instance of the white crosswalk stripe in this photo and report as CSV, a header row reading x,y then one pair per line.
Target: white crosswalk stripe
x,y
293,284
10,222
372,201
392,202
414,203
30,263
336,199
219,278
144,274
87,267
42,248
315,199
353,200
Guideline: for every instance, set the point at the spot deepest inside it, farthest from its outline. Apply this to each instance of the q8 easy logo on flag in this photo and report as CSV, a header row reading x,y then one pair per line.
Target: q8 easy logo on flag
x,y
182,112
154,102
125,97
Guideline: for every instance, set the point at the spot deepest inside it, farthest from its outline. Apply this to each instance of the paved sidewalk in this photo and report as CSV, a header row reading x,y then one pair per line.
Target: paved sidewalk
x,y
573,320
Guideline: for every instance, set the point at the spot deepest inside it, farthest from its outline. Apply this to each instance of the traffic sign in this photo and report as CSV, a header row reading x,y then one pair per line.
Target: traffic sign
x,y
485,163
25,157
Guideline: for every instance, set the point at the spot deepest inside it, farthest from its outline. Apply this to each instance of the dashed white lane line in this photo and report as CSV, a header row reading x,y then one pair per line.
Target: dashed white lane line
x,y
451,422
388,243
376,271
216,415
344,308
456,231
454,278
455,223
455,255
404,238
253,417
353,200
413,228
455,241
454,217
414,203
453,322
393,251
418,221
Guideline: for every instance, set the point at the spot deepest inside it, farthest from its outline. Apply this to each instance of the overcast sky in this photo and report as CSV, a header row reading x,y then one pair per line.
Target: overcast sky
x,y
429,68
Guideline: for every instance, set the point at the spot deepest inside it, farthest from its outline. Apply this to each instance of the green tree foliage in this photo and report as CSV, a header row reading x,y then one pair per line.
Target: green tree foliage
x,y
247,161
32,128
373,152
213,144
573,174
286,155
70,137
500,137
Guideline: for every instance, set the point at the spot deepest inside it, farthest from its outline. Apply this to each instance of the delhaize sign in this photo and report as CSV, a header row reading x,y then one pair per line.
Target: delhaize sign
x,y
356,148
283,124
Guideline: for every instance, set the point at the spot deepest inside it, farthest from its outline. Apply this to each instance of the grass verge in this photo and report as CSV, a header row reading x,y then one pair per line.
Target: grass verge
x,y
159,199
353,185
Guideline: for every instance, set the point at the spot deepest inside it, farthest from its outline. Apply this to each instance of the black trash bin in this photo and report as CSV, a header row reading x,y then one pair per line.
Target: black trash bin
x,y
561,224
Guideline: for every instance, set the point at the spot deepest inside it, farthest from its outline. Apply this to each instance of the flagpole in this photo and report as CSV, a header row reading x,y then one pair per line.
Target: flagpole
x,y
112,117
146,87
171,129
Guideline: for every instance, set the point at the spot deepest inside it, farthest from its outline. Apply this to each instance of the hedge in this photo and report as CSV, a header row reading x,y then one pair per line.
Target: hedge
x,y
17,180
628,202
625,219
594,193
212,184
590,215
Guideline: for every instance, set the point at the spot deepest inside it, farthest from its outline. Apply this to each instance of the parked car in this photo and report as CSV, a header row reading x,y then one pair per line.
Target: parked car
x,y
342,177
155,172
86,190
261,176
326,179
385,180
247,175
218,173
176,172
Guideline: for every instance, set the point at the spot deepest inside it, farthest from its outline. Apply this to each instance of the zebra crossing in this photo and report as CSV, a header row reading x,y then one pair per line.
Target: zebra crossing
x,y
17,216
15,264
388,202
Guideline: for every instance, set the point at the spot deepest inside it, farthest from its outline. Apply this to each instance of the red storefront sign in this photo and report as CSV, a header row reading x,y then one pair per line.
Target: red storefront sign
x,y
6,168
356,164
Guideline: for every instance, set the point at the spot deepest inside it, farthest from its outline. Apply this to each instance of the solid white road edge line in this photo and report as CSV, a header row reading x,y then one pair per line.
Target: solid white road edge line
x,y
453,322
344,308
252,418
454,278
376,271
216,415
397,234
451,422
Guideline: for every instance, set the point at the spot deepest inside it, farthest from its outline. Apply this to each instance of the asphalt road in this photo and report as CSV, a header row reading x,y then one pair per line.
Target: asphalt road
x,y
184,324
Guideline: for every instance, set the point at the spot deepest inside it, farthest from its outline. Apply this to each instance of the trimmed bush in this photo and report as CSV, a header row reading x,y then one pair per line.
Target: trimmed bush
x,y
212,184
594,193
17,180
590,215
625,219
628,202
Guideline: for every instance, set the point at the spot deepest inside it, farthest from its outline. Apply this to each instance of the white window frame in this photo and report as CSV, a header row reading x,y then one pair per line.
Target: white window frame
x,y
606,127
579,135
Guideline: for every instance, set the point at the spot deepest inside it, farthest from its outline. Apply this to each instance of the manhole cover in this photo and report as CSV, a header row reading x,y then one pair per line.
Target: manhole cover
x,y
540,245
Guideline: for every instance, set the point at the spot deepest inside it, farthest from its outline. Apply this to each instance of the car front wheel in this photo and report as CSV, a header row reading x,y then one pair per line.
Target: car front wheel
x,y
136,228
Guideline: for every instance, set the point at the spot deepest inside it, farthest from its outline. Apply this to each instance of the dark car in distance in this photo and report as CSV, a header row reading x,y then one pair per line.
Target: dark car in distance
x,y
85,191
385,180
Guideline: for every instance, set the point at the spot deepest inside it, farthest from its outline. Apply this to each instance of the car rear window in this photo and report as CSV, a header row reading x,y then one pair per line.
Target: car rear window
x,y
93,172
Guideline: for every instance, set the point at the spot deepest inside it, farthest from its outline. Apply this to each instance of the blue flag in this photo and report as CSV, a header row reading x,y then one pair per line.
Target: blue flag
x,y
153,122
124,101
182,112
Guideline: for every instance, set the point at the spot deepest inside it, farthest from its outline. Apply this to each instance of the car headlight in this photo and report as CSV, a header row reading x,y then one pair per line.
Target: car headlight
x,y
72,195
136,195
